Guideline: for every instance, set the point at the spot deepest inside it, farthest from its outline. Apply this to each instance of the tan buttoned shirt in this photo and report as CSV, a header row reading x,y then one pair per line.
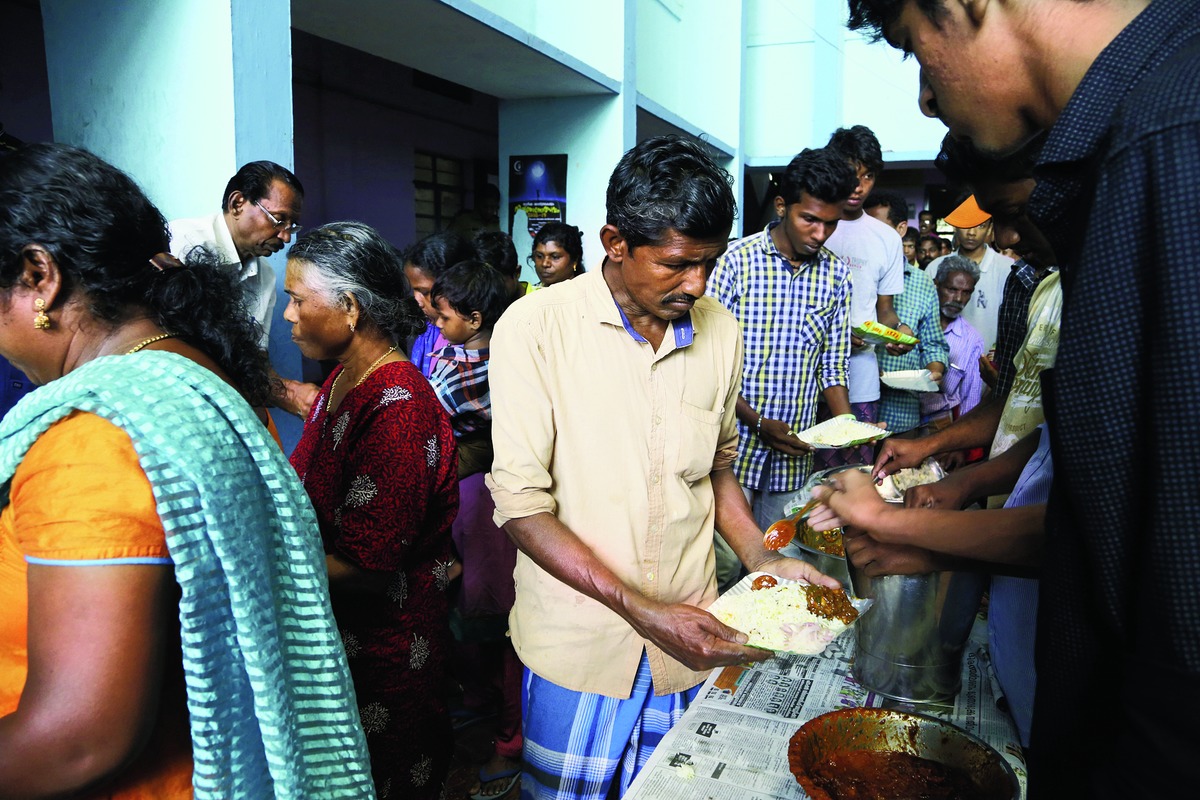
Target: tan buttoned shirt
x,y
617,440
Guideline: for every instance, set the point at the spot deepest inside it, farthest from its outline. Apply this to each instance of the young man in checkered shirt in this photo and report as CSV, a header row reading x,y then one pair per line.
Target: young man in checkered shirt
x,y
791,296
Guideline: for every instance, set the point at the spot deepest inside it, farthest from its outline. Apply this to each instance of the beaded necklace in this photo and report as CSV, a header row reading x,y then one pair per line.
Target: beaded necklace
x,y
145,342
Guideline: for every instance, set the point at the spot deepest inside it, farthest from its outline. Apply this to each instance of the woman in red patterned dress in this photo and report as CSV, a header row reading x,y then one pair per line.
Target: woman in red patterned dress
x,y
378,460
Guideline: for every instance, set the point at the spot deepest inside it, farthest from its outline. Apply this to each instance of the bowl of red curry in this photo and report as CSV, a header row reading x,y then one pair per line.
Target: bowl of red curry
x,y
879,754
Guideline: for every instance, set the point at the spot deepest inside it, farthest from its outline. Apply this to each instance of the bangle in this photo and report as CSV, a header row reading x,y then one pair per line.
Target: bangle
x,y
758,426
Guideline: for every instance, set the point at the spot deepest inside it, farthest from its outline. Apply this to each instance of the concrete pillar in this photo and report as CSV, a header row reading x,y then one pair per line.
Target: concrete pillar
x,y
829,28
593,130
179,95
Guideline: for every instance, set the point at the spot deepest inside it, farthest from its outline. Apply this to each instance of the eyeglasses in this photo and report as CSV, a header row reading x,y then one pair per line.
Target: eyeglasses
x,y
290,227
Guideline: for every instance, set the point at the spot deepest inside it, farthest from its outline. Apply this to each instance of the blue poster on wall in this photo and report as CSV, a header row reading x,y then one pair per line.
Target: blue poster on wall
x,y
537,192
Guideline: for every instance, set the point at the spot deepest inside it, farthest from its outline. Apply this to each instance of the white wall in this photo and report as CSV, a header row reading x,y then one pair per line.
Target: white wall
x,y
179,95
132,86
807,75
689,62
589,30
792,86
591,131
151,87
881,93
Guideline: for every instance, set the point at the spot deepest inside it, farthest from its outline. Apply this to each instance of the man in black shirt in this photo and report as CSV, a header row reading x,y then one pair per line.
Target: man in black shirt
x,y
1117,85
1002,188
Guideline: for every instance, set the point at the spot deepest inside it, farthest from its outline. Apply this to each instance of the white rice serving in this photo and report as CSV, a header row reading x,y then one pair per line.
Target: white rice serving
x,y
778,618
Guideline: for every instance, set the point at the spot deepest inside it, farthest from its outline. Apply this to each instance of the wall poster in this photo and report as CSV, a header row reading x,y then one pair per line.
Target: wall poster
x,y
537,194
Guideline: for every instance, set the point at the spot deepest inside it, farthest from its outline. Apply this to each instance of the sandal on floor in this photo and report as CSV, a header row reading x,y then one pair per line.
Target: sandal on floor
x,y
464,717
511,776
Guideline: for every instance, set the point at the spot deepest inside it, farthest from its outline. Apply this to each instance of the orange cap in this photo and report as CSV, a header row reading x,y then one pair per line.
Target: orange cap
x,y
968,215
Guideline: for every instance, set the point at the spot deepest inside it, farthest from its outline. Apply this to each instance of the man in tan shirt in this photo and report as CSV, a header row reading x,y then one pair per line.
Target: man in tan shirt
x,y
613,399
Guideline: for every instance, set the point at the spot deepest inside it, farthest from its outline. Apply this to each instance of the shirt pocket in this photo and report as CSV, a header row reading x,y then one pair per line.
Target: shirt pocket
x,y
955,374
814,329
699,430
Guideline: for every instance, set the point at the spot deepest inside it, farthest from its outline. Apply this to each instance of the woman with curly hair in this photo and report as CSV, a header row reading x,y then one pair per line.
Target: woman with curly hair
x,y
151,529
378,459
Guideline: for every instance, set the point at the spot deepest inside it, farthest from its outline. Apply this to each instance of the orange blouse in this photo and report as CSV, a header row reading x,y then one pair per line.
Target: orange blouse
x,y
80,498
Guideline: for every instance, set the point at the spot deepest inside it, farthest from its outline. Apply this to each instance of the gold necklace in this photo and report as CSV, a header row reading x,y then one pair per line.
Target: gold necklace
x,y
145,342
365,375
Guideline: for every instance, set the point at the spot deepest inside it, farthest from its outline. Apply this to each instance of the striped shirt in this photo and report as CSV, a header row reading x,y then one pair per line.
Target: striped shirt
x,y
796,330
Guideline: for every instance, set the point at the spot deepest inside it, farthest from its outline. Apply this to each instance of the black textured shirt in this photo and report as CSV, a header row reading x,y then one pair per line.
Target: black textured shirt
x,y
1118,641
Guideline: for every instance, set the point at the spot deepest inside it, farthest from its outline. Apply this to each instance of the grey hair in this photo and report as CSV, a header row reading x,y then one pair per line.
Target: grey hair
x,y
956,263
352,259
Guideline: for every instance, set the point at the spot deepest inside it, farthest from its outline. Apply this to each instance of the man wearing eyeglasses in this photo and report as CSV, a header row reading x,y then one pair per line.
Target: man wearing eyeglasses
x,y
260,212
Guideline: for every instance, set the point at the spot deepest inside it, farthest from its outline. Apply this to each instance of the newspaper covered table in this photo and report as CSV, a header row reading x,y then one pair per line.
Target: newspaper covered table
x,y
731,743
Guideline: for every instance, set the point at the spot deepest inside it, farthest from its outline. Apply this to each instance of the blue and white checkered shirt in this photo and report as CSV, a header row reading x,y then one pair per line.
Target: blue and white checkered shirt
x,y
917,307
796,329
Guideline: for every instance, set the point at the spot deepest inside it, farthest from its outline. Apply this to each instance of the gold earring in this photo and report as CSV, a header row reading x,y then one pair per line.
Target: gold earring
x,y
352,327
40,321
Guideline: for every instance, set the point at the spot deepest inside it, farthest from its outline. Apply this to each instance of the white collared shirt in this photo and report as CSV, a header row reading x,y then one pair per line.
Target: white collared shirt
x,y
255,274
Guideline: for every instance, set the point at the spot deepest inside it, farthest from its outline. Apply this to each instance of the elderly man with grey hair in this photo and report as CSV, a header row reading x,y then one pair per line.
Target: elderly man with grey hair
x,y
962,387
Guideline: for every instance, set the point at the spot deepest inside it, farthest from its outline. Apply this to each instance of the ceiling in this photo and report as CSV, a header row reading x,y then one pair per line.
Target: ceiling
x,y
433,37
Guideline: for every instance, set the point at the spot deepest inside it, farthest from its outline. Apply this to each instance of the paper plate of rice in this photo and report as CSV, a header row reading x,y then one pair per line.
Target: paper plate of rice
x,y
841,431
787,616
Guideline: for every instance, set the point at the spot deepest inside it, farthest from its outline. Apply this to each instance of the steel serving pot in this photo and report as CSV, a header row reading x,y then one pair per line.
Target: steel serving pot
x,y
909,646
